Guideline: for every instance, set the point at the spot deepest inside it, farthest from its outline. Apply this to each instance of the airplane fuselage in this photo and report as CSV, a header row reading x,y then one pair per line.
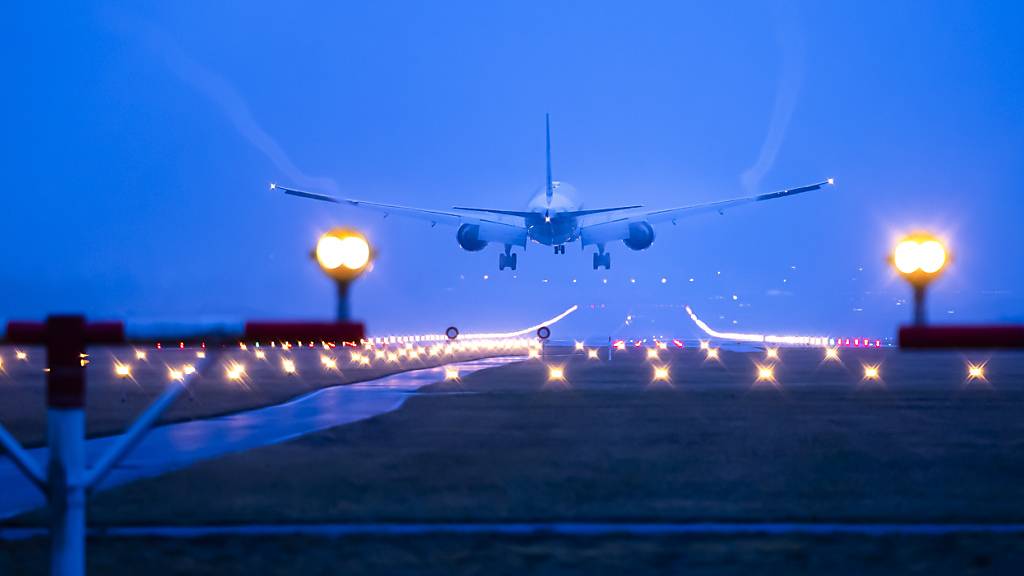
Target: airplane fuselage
x,y
549,223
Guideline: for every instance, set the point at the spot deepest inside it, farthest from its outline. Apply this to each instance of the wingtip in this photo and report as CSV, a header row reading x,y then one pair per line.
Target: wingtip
x,y
831,181
273,186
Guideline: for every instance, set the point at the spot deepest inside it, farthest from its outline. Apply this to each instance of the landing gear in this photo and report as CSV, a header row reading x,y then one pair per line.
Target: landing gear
x,y
602,258
508,259
560,249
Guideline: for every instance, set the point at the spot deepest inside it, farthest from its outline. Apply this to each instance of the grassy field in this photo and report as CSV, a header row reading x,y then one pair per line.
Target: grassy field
x,y
819,444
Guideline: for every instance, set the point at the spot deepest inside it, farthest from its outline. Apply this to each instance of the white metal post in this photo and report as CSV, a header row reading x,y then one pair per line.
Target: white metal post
x,y
66,430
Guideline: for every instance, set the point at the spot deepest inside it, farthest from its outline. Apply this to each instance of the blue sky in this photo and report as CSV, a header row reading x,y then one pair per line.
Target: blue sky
x,y
141,138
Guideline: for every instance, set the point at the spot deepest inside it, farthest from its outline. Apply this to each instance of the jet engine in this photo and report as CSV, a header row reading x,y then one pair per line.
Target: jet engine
x,y
641,236
468,237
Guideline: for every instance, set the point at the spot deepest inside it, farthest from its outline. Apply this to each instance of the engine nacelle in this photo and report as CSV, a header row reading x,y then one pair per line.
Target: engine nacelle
x,y
468,237
641,236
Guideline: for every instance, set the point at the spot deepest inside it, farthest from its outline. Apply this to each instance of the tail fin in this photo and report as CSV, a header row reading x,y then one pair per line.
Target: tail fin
x,y
547,132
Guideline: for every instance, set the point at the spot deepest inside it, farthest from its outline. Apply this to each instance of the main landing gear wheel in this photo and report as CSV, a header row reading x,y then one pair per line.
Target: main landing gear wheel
x,y
560,249
603,259
507,261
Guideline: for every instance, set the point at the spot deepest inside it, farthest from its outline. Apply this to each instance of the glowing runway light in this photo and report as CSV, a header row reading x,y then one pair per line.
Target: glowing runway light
x,y
200,354
871,372
832,354
261,355
578,346
288,365
592,354
21,355
652,354
771,353
533,353
122,370
556,373
451,373
234,371
765,373
364,361
712,353
661,345
661,374
328,362
976,372
704,344
140,354
188,369
175,374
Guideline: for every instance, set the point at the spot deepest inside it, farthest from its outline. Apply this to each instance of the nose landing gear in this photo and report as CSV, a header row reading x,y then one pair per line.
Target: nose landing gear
x,y
560,249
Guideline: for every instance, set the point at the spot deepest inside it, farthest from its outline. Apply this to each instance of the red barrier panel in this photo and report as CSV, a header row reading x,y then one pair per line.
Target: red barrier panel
x,y
1011,336
317,331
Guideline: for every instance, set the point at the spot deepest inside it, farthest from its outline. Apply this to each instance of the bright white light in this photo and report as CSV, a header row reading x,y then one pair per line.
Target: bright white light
x,y
592,354
831,181
652,353
140,354
234,371
932,256
556,373
765,373
451,373
712,353
188,369
288,365
771,353
352,252
975,371
21,355
578,346
175,374
661,373
832,354
122,370
200,354
871,372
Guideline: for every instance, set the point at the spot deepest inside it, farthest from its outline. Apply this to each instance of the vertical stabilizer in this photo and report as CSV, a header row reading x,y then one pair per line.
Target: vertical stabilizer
x,y
547,132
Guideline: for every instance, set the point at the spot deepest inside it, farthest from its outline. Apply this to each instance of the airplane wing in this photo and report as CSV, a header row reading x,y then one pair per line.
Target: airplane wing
x,y
505,228
615,226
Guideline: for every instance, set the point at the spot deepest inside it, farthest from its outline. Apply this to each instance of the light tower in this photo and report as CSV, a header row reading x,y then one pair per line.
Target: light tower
x,y
920,258
343,255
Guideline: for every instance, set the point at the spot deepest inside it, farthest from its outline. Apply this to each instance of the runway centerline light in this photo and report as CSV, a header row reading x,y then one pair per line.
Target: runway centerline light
x,y
765,373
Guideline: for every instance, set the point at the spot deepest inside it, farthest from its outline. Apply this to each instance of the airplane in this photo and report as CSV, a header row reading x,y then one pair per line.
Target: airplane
x,y
554,217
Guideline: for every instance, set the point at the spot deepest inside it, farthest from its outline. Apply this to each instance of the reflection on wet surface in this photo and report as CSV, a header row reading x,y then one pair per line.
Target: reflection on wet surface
x,y
175,446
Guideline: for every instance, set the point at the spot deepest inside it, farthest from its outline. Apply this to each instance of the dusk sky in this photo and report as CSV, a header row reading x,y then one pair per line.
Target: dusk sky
x,y
141,138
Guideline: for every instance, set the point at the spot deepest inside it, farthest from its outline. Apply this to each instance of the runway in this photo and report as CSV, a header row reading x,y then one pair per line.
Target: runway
x,y
176,446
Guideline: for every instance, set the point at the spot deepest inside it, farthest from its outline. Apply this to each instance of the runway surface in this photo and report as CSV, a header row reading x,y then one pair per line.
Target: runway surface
x,y
176,446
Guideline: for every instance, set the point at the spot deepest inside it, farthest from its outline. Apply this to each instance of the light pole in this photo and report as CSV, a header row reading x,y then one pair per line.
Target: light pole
x,y
343,255
919,258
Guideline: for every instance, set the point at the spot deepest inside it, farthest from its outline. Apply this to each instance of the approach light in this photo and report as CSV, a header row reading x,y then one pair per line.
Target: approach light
x,y
188,369
578,346
140,354
261,355
330,363
122,370
920,259
451,373
592,354
771,353
200,354
175,374
712,353
652,354
21,355
871,372
832,354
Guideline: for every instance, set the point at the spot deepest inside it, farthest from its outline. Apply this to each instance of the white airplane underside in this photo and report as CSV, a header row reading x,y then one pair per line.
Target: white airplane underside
x,y
554,218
